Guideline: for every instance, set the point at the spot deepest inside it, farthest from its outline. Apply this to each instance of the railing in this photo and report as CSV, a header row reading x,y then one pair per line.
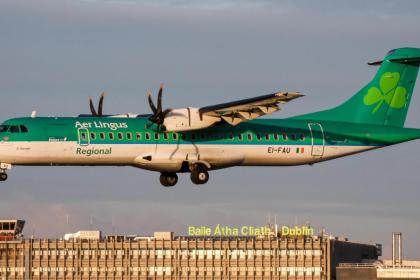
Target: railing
x,y
360,265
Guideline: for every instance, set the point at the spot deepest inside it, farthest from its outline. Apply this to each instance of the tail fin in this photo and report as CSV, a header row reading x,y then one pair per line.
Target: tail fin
x,y
385,100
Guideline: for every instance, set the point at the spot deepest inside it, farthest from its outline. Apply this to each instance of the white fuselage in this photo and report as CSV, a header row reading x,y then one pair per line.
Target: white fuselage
x,y
168,157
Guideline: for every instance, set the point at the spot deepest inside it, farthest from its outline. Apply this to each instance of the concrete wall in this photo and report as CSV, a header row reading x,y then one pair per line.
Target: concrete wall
x,y
353,273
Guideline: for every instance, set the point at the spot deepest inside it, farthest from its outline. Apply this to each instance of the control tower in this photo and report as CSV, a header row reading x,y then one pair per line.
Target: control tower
x,y
11,229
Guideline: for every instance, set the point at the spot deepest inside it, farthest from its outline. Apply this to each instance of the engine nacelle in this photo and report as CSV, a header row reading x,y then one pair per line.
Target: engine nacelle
x,y
187,119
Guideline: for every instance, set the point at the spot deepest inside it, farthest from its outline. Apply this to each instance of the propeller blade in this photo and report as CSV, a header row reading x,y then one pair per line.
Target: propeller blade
x,y
92,108
167,111
100,105
151,104
159,101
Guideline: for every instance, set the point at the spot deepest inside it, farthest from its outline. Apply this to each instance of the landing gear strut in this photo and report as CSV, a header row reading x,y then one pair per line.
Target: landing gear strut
x,y
199,174
168,179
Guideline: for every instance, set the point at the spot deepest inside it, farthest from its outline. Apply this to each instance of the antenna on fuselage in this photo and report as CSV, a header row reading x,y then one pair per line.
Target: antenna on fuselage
x,y
33,114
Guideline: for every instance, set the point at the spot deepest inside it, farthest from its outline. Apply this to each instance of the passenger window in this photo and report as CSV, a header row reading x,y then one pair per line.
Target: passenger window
x,y
258,137
92,135
129,136
83,135
293,136
147,136
165,135
183,136
267,137
102,136
156,136
14,129
276,136
175,136
249,136
23,129
138,135
120,136
111,135
302,137
285,137
231,136
192,136
240,137
202,136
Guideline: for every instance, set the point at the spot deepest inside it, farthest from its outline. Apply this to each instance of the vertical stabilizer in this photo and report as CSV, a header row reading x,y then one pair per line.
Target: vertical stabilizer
x,y
386,99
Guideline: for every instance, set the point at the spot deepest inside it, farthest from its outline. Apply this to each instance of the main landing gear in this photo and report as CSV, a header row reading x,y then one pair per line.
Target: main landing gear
x,y
168,179
3,176
199,176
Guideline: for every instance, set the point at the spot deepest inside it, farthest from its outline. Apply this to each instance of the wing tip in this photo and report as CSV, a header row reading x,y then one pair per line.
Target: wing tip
x,y
293,94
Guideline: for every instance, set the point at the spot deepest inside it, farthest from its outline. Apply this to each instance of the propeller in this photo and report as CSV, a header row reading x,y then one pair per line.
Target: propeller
x,y
158,115
100,105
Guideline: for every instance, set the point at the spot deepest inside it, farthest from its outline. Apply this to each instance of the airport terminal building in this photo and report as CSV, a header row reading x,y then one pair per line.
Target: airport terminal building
x,y
88,255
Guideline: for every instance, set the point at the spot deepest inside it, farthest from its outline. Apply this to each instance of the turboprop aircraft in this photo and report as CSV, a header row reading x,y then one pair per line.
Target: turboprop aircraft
x,y
198,140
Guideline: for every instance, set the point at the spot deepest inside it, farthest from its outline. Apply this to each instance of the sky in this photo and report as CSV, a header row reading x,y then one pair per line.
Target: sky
x,y
54,54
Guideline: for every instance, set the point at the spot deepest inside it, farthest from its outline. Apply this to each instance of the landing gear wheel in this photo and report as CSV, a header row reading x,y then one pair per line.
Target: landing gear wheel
x,y
3,176
168,179
199,175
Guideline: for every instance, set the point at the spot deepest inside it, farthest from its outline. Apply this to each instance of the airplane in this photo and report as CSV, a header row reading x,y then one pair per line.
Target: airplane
x,y
198,140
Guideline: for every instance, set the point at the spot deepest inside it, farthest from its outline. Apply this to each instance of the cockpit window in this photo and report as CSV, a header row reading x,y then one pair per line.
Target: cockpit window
x,y
391,52
14,129
4,128
23,129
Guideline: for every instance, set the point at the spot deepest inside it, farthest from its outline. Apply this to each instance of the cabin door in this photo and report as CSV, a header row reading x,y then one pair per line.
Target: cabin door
x,y
318,141
83,136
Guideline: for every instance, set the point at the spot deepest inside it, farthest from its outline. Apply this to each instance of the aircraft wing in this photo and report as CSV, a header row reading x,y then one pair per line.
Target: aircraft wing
x,y
247,109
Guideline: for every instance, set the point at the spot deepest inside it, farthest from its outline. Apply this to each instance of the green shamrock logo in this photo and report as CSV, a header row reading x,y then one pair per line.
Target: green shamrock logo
x,y
389,92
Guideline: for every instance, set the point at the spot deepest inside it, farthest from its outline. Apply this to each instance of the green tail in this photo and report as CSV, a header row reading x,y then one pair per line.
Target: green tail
x,y
385,100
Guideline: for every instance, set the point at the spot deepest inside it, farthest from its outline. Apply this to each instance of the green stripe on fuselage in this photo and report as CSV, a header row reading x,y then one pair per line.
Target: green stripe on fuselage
x,y
296,130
